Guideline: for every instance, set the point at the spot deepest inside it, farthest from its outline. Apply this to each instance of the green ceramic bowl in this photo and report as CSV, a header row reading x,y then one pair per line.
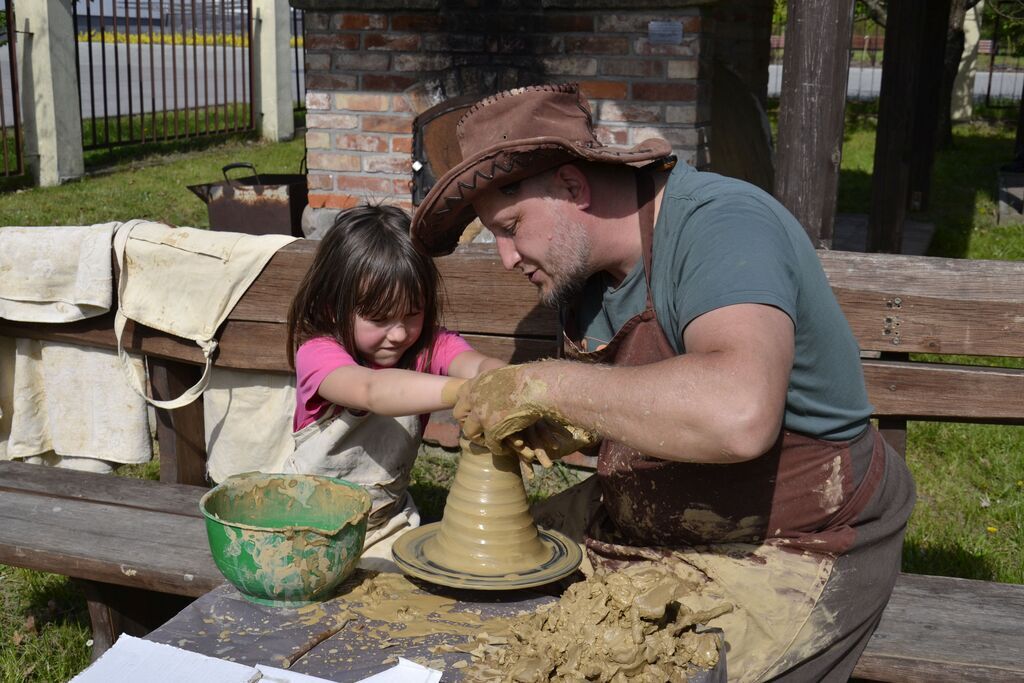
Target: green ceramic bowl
x,y
284,539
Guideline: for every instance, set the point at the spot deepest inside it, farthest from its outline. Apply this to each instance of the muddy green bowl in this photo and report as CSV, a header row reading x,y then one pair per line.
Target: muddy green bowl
x,y
285,539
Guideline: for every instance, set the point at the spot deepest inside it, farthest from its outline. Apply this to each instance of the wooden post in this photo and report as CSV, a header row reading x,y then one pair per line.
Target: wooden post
x,y
815,70
903,31
931,62
180,432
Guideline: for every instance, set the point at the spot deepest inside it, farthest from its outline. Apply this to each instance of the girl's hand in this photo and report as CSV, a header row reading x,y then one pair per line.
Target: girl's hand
x,y
508,402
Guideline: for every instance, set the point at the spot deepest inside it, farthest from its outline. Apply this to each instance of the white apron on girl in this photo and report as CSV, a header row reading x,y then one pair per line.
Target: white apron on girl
x,y
374,451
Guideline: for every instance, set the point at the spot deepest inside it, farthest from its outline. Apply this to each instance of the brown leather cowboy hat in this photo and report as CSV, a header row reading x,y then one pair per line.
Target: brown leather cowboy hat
x,y
508,137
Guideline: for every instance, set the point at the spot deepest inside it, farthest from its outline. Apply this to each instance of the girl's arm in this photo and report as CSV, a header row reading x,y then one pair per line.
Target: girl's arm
x,y
388,391
471,363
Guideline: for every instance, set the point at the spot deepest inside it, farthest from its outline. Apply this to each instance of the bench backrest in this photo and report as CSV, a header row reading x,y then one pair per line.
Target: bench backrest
x,y
896,306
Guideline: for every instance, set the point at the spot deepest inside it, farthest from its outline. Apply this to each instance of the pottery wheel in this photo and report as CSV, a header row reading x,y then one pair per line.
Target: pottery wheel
x,y
566,556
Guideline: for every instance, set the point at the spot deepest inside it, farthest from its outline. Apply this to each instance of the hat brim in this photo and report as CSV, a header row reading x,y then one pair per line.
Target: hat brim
x,y
447,209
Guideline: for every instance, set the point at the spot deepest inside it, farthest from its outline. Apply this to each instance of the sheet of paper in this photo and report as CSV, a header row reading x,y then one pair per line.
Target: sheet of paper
x,y
274,675
405,672
135,659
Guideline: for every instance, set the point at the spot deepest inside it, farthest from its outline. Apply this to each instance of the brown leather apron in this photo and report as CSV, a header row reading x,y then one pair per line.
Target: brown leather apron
x,y
804,490
804,540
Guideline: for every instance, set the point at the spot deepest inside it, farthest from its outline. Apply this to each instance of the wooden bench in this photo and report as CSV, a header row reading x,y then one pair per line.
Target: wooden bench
x,y
935,628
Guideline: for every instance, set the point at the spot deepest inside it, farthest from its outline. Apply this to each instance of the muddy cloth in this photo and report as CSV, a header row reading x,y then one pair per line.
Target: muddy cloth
x,y
833,511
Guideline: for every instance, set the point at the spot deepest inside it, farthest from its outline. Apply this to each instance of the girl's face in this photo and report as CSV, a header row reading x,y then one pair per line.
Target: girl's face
x,y
382,342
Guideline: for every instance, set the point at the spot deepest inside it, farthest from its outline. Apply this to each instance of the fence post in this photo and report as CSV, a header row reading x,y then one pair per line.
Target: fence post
x,y
273,78
49,91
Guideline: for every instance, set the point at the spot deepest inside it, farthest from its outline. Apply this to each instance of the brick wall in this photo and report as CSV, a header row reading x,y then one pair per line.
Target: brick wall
x,y
369,73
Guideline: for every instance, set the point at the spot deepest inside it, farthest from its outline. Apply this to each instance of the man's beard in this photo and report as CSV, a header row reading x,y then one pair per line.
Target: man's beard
x,y
568,268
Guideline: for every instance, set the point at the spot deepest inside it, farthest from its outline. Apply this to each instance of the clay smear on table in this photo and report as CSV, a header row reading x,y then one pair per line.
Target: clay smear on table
x,y
487,528
618,626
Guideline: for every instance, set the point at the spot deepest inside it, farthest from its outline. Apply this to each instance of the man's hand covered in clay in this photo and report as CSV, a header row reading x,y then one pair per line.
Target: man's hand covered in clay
x,y
508,412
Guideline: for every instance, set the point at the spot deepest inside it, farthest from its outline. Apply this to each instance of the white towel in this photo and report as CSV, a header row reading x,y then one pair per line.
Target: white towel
x,y
70,403
56,273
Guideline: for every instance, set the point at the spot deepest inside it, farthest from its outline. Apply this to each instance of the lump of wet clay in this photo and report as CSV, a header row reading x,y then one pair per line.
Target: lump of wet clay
x,y
618,627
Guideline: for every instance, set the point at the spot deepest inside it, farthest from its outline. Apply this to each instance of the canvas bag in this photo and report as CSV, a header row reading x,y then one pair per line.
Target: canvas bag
x,y
184,281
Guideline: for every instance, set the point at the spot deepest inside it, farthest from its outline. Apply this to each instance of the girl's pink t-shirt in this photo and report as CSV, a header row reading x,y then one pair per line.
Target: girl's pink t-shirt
x,y
321,356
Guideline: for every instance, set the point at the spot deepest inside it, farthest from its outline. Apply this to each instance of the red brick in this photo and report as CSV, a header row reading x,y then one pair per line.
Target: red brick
x,y
358,102
604,90
317,100
401,144
361,143
421,62
332,161
316,21
570,66
568,23
610,136
387,164
329,81
387,82
318,61
452,42
688,48
363,61
318,139
669,92
332,41
364,184
402,188
320,181
635,113
359,22
417,22
613,22
334,201
404,42
337,121
387,124
637,68
603,45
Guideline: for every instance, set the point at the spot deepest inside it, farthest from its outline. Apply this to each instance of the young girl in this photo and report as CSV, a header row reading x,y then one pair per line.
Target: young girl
x,y
371,362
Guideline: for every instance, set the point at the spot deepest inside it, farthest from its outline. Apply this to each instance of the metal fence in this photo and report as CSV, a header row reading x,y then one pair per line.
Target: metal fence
x,y
998,78
299,57
11,158
157,70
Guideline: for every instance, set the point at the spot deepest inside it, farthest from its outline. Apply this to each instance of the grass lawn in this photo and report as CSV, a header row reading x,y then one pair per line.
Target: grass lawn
x,y
969,520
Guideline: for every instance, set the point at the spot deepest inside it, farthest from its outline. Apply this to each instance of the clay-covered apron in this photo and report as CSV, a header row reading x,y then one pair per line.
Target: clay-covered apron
x,y
764,534
374,451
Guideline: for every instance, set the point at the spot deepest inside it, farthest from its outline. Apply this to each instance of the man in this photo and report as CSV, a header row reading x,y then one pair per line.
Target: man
x,y
713,360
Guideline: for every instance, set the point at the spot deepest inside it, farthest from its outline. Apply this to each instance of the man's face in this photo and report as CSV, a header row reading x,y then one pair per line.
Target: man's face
x,y
540,236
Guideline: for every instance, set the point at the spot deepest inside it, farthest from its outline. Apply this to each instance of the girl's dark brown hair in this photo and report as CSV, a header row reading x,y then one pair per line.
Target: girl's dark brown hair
x,y
365,265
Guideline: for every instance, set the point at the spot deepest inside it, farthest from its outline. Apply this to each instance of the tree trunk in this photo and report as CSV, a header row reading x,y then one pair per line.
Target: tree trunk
x,y
812,106
950,66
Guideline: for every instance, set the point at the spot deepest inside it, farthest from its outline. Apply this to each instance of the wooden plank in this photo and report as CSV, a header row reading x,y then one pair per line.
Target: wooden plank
x,y
929,304
946,629
514,350
56,482
933,391
168,553
180,432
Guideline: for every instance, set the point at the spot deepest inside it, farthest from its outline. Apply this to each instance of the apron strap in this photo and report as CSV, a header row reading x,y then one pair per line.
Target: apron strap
x,y
645,201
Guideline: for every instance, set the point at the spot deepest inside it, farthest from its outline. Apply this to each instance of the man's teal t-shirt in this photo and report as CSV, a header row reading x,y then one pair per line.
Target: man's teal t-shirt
x,y
718,242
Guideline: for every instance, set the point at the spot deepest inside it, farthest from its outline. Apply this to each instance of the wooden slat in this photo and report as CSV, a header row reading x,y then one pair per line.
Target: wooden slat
x,y
101,488
935,391
931,305
945,629
108,543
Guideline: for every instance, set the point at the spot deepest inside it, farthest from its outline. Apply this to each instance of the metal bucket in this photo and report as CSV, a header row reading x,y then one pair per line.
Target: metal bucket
x,y
260,204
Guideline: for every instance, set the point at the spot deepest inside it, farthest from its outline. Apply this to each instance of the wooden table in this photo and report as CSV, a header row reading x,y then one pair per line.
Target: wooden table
x,y
334,641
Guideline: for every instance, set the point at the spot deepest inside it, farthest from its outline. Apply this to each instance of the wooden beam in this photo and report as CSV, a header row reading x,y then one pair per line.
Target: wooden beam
x,y
903,31
812,105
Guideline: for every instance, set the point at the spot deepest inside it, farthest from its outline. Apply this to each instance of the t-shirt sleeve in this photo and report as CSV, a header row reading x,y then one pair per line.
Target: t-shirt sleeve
x,y
447,345
732,252
314,360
